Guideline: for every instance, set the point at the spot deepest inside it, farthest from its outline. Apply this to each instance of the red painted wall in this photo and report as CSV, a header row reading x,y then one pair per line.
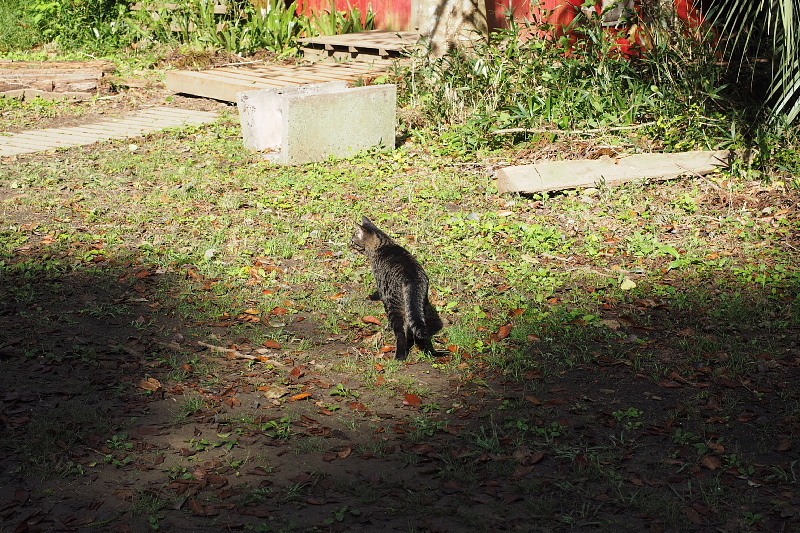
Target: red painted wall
x,y
389,14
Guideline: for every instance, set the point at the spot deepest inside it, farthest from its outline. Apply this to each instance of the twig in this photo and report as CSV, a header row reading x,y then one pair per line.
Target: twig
x,y
230,351
237,353
239,63
570,132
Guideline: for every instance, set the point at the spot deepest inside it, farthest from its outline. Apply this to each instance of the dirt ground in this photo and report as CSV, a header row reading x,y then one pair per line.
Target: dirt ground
x,y
118,414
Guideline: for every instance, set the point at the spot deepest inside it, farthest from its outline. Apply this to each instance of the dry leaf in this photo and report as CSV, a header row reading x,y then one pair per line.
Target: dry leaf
x,y
275,345
504,331
712,462
301,396
276,391
371,320
151,384
412,400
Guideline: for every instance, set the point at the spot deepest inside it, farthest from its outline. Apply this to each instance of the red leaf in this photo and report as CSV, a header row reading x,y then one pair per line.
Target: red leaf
x,y
280,311
275,345
301,396
371,320
357,406
412,400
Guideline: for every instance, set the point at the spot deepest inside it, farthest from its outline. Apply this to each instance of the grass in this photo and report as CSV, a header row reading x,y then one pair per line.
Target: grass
x,y
619,358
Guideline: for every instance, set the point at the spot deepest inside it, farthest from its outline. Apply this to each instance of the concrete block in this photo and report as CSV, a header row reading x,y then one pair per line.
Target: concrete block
x,y
309,123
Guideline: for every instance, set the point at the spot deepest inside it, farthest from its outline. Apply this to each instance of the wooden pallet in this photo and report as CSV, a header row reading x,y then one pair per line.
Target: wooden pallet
x,y
223,83
380,43
133,125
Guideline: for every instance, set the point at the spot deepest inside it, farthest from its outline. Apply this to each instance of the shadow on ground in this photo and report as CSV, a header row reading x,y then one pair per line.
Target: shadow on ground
x,y
119,416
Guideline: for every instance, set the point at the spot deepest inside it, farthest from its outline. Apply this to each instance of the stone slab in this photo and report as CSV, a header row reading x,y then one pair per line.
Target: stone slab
x,y
314,122
559,175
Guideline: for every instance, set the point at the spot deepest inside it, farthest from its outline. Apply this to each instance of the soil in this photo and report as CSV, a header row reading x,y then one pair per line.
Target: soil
x,y
96,436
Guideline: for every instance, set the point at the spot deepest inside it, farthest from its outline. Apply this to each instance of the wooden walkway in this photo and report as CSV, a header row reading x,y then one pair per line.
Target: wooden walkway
x,y
134,125
371,54
223,83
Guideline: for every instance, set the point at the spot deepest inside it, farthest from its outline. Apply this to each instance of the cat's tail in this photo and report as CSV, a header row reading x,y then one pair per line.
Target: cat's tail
x,y
422,316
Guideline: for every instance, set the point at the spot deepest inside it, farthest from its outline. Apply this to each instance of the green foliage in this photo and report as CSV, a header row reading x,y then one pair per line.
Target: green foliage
x,y
242,29
541,85
333,22
97,25
766,29
17,29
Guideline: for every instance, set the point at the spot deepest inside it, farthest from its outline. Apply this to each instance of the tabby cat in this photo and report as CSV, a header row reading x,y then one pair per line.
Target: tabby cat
x,y
402,287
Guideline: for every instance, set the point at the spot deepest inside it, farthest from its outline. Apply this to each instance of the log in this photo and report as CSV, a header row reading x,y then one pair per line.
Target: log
x,y
560,175
54,76
30,94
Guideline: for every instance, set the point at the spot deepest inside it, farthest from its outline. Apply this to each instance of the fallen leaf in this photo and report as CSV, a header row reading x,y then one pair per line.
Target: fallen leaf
x,y
344,454
357,406
504,331
371,320
151,384
276,391
412,400
275,345
423,449
784,445
712,462
301,396
627,284
196,508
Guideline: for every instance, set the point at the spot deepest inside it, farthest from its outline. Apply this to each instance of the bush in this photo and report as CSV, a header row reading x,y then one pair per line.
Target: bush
x,y
17,28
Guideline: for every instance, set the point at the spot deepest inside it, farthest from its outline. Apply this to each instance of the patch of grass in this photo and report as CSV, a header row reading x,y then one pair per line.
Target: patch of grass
x,y
49,437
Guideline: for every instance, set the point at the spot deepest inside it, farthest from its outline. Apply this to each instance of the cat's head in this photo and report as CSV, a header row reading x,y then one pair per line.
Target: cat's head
x,y
368,237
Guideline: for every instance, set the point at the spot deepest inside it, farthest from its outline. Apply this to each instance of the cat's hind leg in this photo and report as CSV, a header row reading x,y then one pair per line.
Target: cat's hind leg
x,y
402,337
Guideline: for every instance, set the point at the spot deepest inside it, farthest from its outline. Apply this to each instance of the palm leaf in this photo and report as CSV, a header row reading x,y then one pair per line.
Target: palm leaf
x,y
753,24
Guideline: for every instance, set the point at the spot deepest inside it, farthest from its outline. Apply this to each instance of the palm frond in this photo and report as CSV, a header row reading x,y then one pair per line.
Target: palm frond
x,y
753,24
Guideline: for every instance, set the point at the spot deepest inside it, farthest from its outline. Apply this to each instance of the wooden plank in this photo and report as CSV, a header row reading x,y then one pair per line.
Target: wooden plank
x,y
223,83
7,151
559,175
147,121
56,135
54,73
219,8
31,144
216,87
396,41
30,94
104,66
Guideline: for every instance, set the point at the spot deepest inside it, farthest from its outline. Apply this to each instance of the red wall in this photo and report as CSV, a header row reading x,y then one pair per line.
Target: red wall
x,y
389,14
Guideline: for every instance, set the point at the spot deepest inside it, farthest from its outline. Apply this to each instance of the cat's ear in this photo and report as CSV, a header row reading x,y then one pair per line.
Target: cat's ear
x,y
365,221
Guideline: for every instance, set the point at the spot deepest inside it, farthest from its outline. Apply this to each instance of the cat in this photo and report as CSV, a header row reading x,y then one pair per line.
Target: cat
x,y
402,287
